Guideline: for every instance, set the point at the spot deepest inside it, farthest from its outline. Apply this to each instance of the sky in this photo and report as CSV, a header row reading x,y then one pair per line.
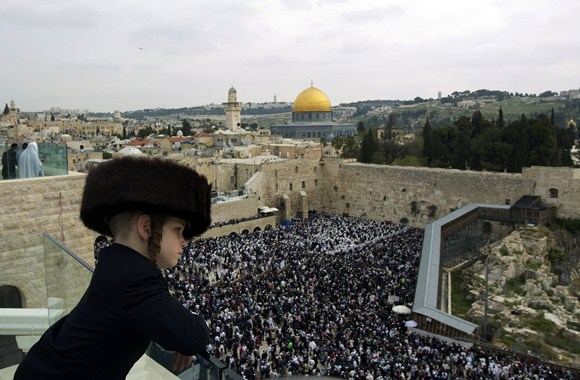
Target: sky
x,y
132,54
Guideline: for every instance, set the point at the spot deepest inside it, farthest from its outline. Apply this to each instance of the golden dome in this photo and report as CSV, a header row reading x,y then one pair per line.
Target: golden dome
x,y
311,100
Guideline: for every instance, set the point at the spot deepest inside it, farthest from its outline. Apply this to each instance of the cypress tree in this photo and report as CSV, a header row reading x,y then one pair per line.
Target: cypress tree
x,y
552,117
124,132
368,146
500,122
427,142
6,109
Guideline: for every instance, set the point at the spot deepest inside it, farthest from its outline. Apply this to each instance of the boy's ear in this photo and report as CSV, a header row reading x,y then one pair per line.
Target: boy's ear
x,y
144,226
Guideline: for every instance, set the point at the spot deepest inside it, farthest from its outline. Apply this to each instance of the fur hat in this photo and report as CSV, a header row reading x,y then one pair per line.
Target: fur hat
x,y
150,185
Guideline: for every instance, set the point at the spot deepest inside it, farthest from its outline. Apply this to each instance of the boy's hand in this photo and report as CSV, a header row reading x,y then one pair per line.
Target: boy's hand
x,y
180,362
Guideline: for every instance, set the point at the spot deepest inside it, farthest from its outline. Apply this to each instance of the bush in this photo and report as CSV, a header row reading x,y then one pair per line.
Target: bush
x,y
504,251
515,285
556,257
570,225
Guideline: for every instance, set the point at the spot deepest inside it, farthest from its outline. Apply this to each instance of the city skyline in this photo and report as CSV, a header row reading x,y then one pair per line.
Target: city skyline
x,y
128,55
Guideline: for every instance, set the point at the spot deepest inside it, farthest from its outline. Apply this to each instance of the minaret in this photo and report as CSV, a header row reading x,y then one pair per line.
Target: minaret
x,y
233,111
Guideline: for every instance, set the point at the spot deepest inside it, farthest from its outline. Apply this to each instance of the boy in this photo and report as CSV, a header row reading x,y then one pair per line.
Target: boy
x,y
150,206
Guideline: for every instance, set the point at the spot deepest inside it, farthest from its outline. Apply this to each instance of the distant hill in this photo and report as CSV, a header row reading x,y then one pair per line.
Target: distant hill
x,y
203,111
411,114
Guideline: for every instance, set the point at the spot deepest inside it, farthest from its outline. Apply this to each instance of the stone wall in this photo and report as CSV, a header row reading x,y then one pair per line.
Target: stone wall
x,y
291,177
415,195
238,228
557,186
30,207
235,209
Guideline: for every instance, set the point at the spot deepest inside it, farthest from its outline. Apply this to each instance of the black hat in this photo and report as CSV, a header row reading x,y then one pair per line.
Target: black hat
x,y
151,185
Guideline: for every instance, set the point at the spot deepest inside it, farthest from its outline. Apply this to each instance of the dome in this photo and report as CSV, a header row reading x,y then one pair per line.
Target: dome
x,y
232,89
130,151
311,100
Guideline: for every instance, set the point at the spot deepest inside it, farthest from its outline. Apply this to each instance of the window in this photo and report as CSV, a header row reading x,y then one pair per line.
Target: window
x,y
296,169
315,182
303,184
508,201
347,205
315,169
553,193
290,186
335,188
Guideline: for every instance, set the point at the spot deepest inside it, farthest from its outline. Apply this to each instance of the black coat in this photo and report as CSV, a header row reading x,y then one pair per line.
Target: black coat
x,y
125,307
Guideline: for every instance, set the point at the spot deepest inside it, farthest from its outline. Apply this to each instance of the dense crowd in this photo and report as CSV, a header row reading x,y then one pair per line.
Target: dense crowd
x,y
311,299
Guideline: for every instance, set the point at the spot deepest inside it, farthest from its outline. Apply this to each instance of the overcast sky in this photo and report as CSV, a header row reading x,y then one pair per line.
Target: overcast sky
x,y
106,55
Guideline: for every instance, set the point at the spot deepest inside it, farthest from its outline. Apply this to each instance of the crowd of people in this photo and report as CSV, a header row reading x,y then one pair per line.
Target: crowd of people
x,y
311,298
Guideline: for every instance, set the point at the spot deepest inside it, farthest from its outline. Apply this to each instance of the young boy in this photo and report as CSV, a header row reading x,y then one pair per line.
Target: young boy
x,y
150,207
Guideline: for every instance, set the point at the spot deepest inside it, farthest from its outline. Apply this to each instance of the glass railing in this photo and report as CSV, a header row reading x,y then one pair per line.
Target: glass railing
x,y
67,278
44,281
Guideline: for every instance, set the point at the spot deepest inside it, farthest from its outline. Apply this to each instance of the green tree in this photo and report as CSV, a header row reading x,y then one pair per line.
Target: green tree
x,y
500,122
52,117
360,127
392,120
144,132
492,150
6,109
351,147
543,144
460,158
186,127
368,146
427,142
124,132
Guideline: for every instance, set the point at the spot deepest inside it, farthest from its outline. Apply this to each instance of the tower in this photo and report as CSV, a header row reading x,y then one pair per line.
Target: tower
x,y
233,111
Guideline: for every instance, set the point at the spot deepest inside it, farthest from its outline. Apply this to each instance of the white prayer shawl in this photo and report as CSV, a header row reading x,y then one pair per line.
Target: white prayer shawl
x,y
29,164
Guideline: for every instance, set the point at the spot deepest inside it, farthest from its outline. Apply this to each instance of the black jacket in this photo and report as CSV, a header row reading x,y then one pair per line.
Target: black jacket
x,y
125,307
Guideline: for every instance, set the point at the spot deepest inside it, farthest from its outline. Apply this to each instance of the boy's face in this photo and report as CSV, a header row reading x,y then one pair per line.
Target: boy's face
x,y
172,243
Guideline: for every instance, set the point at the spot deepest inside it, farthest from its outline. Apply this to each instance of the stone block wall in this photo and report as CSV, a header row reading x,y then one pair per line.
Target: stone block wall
x,y
291,177
237,209
28,208
557,186
411,194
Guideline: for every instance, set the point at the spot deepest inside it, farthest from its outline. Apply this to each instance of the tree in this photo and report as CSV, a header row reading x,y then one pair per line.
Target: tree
x,y
351,147
427,142
144,132
390,125
187,128
500,122
543,144
368,146
552,121
492,151
124,132
360,127
52,117
6,109
461,145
